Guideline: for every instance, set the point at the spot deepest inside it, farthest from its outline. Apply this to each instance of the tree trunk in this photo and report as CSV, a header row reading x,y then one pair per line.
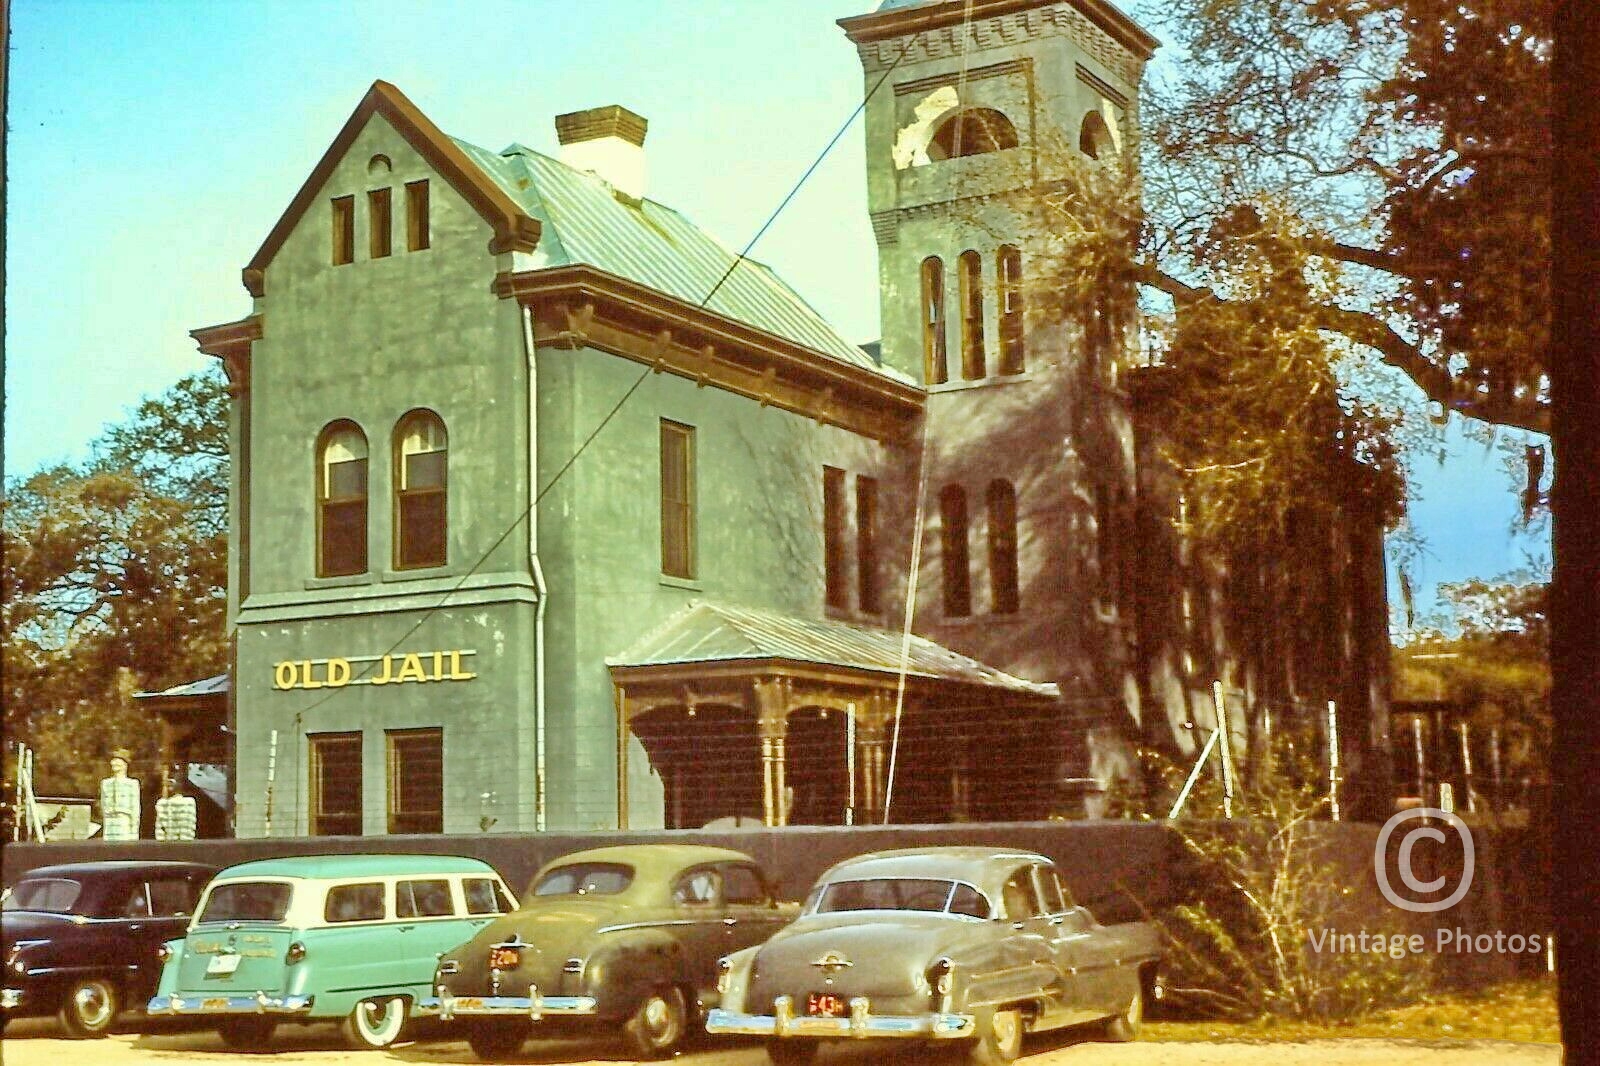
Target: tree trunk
x,y
1575,586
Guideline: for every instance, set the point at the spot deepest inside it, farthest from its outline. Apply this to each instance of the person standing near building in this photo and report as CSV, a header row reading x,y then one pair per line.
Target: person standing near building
x,y
175,810
119,800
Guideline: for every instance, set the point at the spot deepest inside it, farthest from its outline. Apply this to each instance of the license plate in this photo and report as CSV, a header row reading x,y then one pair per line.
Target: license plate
x,y
222,964
826,1005
504,958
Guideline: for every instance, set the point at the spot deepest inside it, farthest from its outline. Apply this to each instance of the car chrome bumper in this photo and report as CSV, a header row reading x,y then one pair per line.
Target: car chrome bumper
x,y
533,1006
10,998
861,1024
260,1003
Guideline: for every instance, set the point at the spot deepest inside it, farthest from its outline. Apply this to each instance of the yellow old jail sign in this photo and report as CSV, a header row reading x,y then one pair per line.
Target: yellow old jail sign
x,y
336,672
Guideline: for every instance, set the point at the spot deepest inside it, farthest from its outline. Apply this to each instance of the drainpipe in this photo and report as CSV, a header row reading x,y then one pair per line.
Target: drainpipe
x,y
538,572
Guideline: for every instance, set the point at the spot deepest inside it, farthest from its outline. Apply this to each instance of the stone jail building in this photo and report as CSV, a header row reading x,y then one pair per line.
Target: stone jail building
x,y
445,623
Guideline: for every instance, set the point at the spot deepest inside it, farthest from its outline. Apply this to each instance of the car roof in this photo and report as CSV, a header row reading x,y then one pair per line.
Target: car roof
x,y
117,867
323,867
645,858
985,867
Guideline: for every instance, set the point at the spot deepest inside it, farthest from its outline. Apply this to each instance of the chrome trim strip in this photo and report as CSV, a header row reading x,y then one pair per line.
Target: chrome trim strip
x,y
260,1003
533,1006
861,1025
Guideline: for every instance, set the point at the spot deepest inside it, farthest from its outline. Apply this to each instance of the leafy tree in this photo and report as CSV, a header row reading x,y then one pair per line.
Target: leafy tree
x,y
114,580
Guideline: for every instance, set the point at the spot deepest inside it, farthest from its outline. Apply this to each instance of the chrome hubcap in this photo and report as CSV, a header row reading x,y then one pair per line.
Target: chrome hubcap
x,y
657,1014
92,1005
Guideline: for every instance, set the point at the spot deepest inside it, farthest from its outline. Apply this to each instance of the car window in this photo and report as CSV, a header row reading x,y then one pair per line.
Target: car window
x,y
1066,896
135,903
698,888
886,894
742,885
422,899
53,894
1049,890
1021,901
171,896
248,901
485,896
354,903
970,902
585,879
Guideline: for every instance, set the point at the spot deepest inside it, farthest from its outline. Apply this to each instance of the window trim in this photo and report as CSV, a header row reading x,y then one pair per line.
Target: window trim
x,y
315,745
869,589
1013,347
324,498
974,358
835,563
343,217
401,493
1005,594
955,552
678,515
380,223
935,345
418,221
394,766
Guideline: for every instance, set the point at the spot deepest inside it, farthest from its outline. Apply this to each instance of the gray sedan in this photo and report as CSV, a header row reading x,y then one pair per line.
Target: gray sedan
x,y
971,945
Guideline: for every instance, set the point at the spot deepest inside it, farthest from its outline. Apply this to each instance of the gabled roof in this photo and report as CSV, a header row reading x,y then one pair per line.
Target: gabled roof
x,y
706,632
513,229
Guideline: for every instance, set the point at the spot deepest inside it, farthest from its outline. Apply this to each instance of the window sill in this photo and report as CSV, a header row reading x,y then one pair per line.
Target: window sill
x,y
342,582
979,383
690,583
416,573
976,619
855,617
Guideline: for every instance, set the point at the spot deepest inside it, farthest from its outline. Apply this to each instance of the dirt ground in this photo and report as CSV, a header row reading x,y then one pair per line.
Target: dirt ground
x,y
38,1043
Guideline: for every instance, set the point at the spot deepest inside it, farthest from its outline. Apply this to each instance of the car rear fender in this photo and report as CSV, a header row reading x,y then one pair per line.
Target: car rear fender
x,y
626,968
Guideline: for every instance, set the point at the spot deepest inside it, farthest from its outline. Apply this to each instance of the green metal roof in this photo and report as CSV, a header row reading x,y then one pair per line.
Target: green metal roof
x,y
328,866
584,221
707,632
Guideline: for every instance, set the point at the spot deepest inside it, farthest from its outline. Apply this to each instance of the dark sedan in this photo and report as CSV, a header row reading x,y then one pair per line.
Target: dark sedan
x,y
82,941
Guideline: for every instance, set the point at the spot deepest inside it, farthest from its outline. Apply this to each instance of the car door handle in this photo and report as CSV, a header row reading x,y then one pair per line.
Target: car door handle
x,y
407,928
134,928
1058,919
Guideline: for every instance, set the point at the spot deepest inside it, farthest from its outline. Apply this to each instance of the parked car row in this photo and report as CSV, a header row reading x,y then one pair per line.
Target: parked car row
x,y
969,947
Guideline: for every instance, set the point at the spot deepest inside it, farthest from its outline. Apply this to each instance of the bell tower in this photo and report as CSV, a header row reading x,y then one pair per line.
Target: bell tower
x,y
980,100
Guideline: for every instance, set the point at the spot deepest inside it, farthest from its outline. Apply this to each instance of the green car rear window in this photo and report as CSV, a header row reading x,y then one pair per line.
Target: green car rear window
x,y
248,901
585,879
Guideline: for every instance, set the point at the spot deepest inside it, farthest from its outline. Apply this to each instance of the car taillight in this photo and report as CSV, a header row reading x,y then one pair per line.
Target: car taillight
x,y
296,952
164,954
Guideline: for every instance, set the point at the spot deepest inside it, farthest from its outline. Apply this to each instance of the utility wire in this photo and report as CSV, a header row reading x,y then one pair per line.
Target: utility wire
x,y
742,257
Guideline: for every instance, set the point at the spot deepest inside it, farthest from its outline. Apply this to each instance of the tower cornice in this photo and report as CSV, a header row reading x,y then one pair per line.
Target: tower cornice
x,y
900,22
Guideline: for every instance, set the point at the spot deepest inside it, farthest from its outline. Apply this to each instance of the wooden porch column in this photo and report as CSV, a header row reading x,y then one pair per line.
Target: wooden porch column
x,y
621,695
772,699
872,729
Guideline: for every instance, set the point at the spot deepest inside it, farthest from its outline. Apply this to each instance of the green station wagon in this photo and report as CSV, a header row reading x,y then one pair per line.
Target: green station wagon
x,y
351,937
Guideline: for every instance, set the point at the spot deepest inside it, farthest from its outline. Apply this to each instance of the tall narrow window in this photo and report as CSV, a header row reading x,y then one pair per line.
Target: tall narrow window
x,y
936,366
344,230
341,501
335,808
421,511
416,780
867,543
677,500
380,241
836,587
957,576
416,215
1002,501
1009,267
972,356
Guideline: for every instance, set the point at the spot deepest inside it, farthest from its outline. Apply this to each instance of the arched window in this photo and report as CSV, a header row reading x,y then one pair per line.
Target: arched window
x,y
972,355
341,500
973,131
1009,267
1002,501
421,460
936,367
1094,137
957,577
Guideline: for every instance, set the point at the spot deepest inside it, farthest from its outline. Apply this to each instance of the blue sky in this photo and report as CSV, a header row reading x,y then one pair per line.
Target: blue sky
x,y
154,142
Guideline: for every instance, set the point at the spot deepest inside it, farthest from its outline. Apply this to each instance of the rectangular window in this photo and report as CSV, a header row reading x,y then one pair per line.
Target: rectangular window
x,y
416,215
677,500
835,585
483,896
423,899
416,780
867,543
354,903
380,240
420,539
335,784
344,230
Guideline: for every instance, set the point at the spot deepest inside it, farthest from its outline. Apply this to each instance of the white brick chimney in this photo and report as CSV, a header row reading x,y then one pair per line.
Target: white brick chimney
x,y
609,143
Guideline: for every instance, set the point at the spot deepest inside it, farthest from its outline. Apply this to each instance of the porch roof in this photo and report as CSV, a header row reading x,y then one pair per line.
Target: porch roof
x,y
711,632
